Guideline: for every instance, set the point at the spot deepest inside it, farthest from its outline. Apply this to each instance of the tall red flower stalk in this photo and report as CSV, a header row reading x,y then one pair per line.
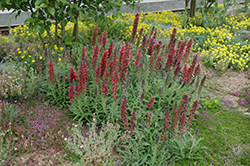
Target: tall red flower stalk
x,y
84,54
124,119
135,26
181,50
166,125
124,64
149,117
171,43
138,57
95,57
132,122
158,62
121,54
191,69
151,46
184,72
174,120
72,75
169,62
187,50
158,48
150,103
176,71
110,49
112,64
51,71
184,104
94,36
71,92
181,125
115,83
83,76
98,74
105,89
104,39
104,62
192,113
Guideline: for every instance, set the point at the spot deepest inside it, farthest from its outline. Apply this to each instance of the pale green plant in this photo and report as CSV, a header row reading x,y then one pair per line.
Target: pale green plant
x,y
95,147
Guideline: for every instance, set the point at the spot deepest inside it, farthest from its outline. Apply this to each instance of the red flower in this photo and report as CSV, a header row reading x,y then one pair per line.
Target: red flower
x,y
166,125
169,62
151,46
115,83
197,70
104,39
191,69
135,26
95,57
105,89
144,44
84,54
150,103
72,74
158,62
132,121
188,49
110,50
54,118
138,57
185,72
149,117
98,74
184,104
104,61
174,117
83,76
124,63
94,36
51,72
181,50
171,43
26,147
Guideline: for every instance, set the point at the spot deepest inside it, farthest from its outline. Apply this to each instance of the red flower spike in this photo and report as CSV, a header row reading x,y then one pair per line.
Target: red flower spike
x,y
151,46
94,36
124,64
191,69
115,83
84,54
158,62
149,117
150,103
83,76
188,49
169,62
95,57
51,72
166,125
181,50
132,121
158,47
174,120
104,89
72,75
184,72
138,57
98,74
110,50
104,39
184,104
135,26
103,62
171,44
144,44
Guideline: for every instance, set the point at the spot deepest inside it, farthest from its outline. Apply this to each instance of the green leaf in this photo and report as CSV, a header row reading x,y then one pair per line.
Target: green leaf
x,y
51,10
69,39
64,22
73,19
38,2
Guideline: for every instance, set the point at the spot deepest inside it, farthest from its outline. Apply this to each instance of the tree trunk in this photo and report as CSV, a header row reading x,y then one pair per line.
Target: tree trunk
x,y
192,8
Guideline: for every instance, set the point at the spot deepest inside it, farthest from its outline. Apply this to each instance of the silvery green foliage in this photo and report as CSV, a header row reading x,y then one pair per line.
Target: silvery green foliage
x,y
95,145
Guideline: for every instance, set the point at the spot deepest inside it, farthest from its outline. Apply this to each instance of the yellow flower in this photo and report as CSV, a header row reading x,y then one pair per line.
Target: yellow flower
x,y
18,49
29,55
19,52
59,59
41,57
55,46
33,60
22,56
